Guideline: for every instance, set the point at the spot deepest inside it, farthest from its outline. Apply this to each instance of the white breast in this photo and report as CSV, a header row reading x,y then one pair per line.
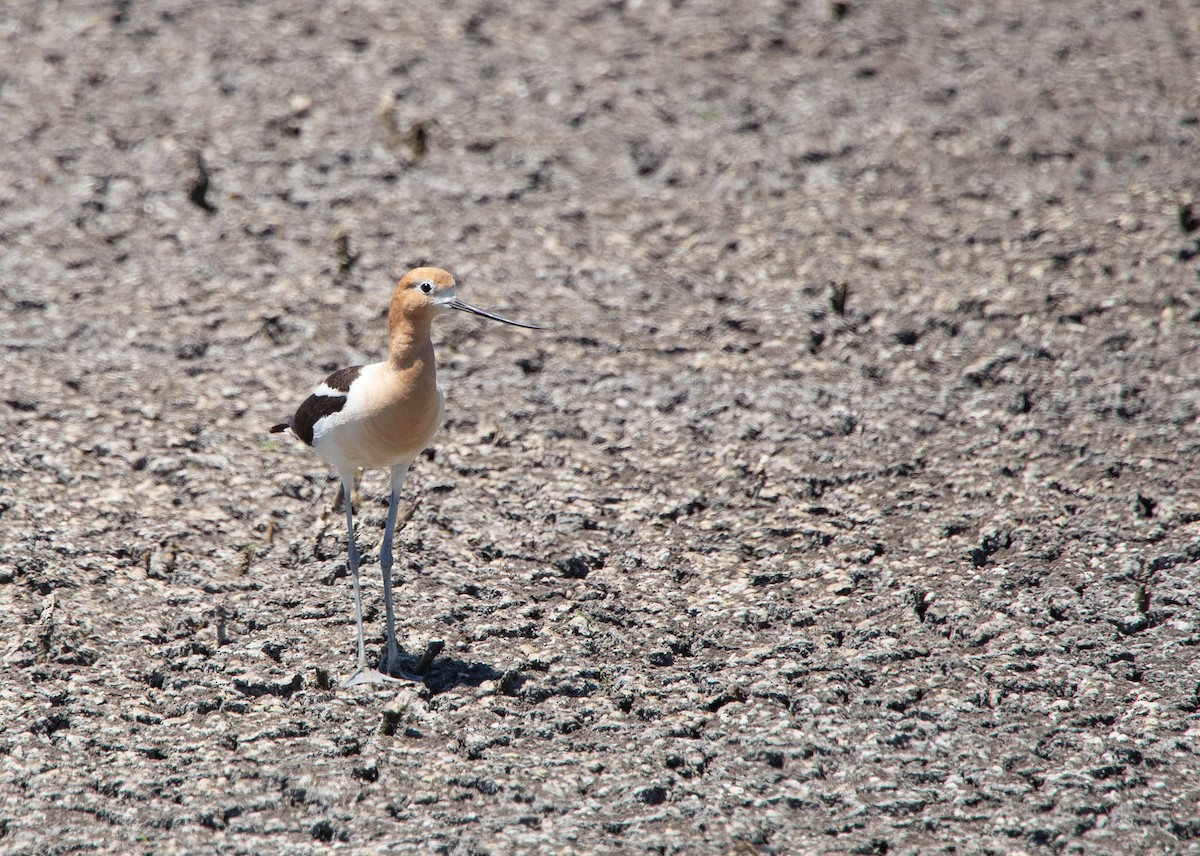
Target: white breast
x,y
387,420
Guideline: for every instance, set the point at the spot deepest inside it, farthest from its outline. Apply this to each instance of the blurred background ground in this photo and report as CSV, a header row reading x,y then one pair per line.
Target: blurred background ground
x,y
847,506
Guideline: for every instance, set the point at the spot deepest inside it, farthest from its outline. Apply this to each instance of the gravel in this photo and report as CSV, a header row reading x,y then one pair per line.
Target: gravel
x,y
848,504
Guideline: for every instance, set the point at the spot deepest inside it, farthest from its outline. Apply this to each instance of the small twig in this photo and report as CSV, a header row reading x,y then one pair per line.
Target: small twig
x,y
247,559
432,649
839,293
504,686
198,186
407,513
418,140
387,113
341,250
322,678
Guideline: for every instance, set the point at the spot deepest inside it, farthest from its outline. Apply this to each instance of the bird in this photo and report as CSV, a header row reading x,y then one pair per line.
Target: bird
x,y
384,415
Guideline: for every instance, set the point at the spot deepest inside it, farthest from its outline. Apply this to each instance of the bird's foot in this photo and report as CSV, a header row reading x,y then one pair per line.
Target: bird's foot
x,y
392,668
369,676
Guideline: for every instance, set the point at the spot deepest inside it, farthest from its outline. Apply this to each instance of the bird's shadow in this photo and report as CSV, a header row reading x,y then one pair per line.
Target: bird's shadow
x,y
443,674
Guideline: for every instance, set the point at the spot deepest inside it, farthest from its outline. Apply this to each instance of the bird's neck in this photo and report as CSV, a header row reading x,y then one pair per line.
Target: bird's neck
x,y
409,344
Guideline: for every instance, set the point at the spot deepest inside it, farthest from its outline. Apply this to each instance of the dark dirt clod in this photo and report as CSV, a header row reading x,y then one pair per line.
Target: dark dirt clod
x,y
848,504
199,185
1188,221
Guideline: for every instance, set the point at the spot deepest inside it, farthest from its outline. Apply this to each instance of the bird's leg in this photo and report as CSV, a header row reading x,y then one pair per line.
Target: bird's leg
x,y
362,674
352,551
391,659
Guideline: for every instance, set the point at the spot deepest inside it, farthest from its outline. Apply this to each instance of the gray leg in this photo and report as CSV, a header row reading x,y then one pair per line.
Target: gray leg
x,y
352,551
391,661
362,674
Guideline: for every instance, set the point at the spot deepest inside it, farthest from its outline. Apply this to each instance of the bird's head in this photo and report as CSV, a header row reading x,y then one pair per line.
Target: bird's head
x,y
425,290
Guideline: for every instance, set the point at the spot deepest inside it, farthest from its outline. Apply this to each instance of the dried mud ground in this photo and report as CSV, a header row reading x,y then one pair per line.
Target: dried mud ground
x,y
848,504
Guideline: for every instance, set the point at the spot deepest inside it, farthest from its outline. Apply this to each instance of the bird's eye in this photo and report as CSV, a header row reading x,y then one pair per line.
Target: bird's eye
x,y
426,287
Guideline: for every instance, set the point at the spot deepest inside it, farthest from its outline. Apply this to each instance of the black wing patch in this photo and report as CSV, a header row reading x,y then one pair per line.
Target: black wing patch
x,y
321,404
342,378
315,407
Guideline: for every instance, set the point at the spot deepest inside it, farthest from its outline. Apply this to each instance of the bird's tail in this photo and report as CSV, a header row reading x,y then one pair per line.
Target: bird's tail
x,y
281,427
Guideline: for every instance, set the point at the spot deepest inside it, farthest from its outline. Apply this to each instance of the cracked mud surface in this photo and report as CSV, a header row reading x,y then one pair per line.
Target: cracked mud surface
x,y
848,506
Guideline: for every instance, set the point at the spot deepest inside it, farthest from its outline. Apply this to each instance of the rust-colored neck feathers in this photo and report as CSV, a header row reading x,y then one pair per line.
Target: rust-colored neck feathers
x,y
409,335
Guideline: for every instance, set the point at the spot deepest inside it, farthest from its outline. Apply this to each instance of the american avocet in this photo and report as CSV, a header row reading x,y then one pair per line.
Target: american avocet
x,y
384,415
